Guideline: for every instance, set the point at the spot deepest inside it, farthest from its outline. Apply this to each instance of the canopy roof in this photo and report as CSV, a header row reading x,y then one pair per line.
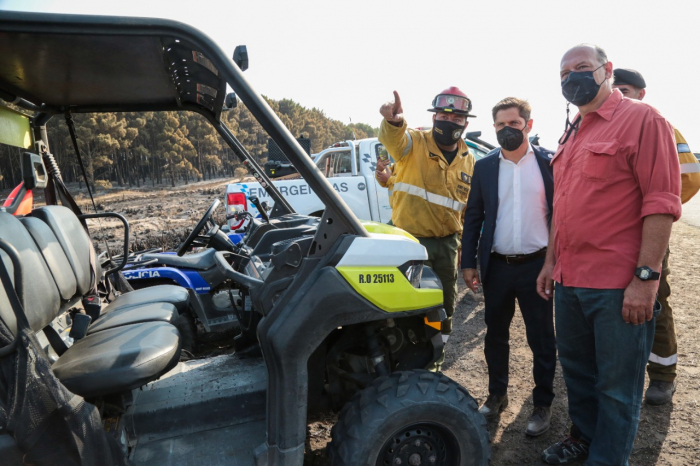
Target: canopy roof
x,y
52,64
92,63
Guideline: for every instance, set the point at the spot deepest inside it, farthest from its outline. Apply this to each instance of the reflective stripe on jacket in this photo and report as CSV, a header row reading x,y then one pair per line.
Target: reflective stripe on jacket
x,y
428,195
690,169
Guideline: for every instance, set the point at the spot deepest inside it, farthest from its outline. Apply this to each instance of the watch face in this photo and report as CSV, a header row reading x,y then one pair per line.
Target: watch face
x,y
644,274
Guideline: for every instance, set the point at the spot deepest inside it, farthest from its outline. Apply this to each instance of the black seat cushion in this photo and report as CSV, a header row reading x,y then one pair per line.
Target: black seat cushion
x,y
175,295
54,256
73,239
154,312
41,297
119,359
203,260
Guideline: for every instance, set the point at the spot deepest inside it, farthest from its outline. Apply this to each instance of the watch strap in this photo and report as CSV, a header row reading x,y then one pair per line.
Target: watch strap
x,y
645,273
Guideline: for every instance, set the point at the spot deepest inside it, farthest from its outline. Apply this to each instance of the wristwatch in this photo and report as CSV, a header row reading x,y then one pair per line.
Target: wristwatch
x,y
644,273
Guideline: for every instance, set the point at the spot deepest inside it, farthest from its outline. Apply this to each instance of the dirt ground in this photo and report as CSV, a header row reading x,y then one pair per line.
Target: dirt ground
x,y
668,435
158,217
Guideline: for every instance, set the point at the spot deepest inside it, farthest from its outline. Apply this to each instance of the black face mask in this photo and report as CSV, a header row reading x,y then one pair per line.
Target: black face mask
x,y
580,87
446,132
510,138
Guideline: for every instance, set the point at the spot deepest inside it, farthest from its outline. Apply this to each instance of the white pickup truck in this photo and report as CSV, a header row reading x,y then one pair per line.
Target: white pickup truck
x,y
349,166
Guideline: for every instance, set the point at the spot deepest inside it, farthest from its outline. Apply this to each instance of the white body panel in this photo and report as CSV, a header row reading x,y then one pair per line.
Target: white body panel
x,y
383,250
355,184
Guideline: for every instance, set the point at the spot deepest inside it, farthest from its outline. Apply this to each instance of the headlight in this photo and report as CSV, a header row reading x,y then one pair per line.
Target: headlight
x,y
413,271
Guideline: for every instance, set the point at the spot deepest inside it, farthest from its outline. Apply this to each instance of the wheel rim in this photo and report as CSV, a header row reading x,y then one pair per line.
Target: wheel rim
x,y
421,444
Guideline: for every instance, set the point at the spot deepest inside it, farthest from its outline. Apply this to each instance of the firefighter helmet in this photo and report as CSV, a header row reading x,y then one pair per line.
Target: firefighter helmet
x,y
452,100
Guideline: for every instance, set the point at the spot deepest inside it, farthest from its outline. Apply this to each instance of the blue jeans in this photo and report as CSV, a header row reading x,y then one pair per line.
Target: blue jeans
x,y
603,361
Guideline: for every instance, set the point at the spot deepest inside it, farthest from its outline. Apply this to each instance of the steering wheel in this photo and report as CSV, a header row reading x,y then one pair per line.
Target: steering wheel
x,y
194,238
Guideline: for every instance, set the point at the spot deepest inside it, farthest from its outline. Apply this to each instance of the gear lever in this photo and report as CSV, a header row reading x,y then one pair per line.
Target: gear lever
x,y
263,213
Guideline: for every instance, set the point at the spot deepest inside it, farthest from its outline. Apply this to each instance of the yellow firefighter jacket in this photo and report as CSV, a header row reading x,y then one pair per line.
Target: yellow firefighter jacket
x,y
429,196
690,169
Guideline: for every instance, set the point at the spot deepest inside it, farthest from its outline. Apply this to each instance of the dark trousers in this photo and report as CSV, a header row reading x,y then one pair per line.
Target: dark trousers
x,y
602,359
504,284
442,258
664,353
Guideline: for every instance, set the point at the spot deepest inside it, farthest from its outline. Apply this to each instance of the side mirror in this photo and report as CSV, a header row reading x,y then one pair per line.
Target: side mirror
x,y
240,57
230,101
535,140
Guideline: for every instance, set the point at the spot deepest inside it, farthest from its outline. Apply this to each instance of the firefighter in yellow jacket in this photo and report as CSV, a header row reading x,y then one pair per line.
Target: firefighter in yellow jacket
x,y
431,182
664,353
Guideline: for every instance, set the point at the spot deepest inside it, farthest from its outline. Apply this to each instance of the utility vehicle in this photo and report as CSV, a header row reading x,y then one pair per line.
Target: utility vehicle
x,y
349,166
347,316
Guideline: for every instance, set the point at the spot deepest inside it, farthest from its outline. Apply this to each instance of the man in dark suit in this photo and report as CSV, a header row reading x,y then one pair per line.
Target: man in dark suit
x,y
507,219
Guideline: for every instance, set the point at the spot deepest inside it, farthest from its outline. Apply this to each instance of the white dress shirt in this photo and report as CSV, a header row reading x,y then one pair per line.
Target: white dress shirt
x,y
521,222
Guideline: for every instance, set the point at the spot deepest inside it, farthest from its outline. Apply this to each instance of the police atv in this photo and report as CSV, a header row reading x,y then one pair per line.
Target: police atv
x,y
348,318
214,302
218,303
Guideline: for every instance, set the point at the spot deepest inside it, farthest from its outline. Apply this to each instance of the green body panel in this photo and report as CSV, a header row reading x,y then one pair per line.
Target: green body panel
x,y
388,289
14,128
383,228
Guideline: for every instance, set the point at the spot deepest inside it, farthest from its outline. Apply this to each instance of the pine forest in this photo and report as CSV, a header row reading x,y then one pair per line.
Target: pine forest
x,y
169,148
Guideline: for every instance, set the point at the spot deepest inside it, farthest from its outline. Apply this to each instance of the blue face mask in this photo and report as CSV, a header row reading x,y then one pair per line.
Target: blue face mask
x,y
580,87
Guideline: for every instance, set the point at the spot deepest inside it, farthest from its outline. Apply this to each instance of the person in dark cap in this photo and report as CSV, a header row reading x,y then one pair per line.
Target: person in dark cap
x,y
664,354
630,82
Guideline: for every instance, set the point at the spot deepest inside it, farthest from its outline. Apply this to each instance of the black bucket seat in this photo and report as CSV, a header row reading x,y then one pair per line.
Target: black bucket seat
x,y
104,362
69,285
76,243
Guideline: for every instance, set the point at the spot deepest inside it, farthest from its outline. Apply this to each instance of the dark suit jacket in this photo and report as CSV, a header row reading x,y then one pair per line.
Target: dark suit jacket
x,y
482,206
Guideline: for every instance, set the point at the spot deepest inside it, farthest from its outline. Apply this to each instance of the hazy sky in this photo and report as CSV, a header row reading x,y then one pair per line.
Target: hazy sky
x,y
347,57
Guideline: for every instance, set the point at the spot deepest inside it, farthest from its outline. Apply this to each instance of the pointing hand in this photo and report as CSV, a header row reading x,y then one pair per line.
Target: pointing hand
x,y
392,111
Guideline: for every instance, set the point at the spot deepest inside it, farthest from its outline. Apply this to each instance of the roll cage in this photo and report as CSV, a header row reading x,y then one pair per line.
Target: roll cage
x,y
60,64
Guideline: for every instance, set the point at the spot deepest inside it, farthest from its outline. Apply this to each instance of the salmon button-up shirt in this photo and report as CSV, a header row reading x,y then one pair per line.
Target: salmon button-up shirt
x,y
619,167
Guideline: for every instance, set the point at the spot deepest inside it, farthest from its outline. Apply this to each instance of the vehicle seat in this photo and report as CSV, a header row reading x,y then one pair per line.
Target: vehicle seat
x,y
54,257
108,361
75,243
203,260
119,359
41,298
72,238
153,312
61,270
171,294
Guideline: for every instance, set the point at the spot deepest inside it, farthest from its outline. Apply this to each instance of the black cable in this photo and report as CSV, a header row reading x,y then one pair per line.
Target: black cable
x,y
569,127
71,130
73,137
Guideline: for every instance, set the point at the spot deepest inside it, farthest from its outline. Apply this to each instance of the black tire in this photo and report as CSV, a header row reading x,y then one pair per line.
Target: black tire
x,y
188,331
406,414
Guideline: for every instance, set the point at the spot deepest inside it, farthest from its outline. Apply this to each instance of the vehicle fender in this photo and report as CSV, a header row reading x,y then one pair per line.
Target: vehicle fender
x,y
186,278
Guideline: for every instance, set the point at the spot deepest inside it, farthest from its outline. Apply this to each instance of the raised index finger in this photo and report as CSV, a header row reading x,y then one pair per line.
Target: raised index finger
x,y
397,100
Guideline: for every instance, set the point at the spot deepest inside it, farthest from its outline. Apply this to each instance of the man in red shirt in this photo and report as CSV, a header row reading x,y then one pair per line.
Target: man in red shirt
x,y
616,195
